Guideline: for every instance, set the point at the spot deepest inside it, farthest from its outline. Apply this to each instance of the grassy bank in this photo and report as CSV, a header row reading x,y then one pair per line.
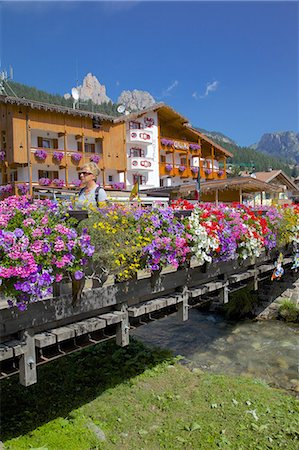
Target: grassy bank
x,y
137,398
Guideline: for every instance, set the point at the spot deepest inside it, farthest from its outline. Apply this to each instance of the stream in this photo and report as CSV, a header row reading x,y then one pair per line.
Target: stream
x,y
265,350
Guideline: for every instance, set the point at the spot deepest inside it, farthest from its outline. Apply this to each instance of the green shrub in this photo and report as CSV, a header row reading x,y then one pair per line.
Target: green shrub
x,y
288,311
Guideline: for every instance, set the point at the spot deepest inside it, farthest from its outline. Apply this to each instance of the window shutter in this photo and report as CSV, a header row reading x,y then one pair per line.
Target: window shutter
x,y
39,141
55,143
79,146
93,148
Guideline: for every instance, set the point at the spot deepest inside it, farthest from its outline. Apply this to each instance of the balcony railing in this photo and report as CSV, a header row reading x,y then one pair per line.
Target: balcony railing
x,y
59,157
139,136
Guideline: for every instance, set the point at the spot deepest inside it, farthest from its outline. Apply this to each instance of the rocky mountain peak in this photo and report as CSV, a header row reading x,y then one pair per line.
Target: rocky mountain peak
x,y
92,89
284,144
136,100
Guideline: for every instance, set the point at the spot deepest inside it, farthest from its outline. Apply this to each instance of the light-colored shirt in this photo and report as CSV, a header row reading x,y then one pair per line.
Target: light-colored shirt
x,y
84,200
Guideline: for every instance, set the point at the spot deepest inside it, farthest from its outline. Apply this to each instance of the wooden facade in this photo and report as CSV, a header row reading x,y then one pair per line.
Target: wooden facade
x,y
27,126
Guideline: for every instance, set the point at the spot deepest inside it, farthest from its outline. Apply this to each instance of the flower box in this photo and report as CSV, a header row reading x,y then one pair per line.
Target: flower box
x,y
58,182
145,273
95,159
58,156
194,169
220,173
168,167
169,269
167,142
44,181
194,146
208,171
182,168
41,154
76,157
23,188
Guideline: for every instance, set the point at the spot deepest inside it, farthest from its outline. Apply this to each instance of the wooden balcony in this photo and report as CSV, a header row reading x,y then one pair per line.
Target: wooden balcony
x,y
68,159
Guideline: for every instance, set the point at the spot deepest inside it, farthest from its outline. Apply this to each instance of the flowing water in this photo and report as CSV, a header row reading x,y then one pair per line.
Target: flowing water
x,y
267,350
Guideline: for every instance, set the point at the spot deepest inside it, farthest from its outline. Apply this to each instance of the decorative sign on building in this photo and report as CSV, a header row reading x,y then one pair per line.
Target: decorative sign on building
x,y
140,136
140,163
181,145
149,122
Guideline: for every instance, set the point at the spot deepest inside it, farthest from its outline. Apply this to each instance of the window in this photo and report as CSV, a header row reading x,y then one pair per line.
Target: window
x,y
110,178
183,161
51,174
134,125
161,182
13,175
89,147
140,178
163,159
47,142
137,152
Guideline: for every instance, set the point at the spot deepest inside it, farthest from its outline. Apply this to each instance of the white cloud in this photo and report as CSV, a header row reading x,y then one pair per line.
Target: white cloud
x,y
170,88
210,87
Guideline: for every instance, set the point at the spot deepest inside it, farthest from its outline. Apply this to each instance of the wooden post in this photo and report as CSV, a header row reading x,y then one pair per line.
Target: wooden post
x,y
123,327
240,195
255,279
216,197
28,375
66,170
183,307
224,291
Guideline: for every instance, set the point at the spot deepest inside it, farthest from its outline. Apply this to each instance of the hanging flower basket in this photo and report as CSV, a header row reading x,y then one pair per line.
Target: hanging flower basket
x,y
194,169
41,154
95,158
58,182
44,181
182,168
168,167
76,157
208,171
167,142
194,146
58,156
23,188
220,172
2,155
7,189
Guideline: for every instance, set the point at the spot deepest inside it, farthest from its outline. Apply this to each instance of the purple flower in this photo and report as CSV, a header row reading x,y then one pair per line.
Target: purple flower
x,y
58,182
23,188
95,158
182,168
58,156
78,274
18,232
194,169
167,142
168,167
76,157
194,146
2,155
44,181
40,154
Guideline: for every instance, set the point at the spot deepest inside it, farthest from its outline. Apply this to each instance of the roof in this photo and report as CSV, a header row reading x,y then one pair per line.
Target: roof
x,y
267,177
54,108
247,184
184,122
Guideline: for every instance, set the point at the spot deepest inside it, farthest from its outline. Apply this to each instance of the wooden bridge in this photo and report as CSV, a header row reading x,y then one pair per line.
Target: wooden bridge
x,y
55,327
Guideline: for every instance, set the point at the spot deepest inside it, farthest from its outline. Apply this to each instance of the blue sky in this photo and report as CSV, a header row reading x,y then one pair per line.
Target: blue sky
x,y
226,66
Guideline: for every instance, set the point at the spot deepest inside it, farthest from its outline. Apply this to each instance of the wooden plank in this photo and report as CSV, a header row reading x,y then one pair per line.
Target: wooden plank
x,y
123,328
241,276
87,326
17,346
110,318
183,310
6,352
63,333
44,339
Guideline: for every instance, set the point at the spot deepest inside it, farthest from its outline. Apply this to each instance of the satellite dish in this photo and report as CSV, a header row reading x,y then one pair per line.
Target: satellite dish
x,y
121,109
75,94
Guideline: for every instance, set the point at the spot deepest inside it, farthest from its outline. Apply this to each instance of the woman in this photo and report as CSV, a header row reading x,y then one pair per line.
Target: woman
x,y
91,193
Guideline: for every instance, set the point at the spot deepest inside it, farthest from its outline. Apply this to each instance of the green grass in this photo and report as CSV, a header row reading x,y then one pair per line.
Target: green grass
x,y
140,398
